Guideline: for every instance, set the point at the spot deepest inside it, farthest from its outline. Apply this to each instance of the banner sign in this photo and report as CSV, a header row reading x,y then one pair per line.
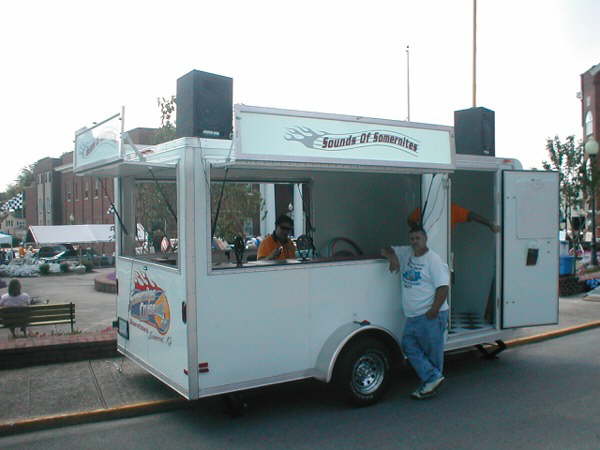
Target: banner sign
x,y
99,144
281,135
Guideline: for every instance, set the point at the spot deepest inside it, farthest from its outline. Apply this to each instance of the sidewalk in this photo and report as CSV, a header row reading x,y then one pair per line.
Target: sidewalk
x,y
30,395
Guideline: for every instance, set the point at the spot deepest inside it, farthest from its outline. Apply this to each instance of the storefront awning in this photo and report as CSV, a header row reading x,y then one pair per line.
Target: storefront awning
x,y
72,234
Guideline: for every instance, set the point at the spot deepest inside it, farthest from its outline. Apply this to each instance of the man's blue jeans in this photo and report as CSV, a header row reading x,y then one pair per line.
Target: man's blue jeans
x,y
423,345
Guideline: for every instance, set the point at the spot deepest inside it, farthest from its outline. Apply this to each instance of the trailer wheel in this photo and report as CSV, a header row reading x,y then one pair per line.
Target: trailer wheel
x,y
363,371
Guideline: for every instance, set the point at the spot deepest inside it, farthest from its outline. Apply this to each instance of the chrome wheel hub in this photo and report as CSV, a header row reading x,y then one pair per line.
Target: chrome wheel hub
x,y
368,373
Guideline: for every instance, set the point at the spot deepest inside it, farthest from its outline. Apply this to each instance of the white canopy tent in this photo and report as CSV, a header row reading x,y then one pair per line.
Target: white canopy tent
x,y
6,239
72,234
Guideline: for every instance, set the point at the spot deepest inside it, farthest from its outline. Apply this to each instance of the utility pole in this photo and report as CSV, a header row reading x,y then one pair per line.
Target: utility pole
x,y
474,53
407,84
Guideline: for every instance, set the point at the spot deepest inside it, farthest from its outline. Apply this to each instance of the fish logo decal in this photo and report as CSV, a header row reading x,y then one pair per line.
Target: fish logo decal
x,y
148,303
335,142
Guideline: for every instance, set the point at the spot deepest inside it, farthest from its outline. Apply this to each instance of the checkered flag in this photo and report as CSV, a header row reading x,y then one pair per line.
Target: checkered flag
x,y
14,203
110,210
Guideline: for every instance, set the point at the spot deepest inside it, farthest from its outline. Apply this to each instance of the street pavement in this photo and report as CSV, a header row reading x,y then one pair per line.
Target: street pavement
x,y
541,396
33,392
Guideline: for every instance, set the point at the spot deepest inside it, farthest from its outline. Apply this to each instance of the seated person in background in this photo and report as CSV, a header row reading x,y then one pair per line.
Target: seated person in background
x,y
278,245
13,298
458,215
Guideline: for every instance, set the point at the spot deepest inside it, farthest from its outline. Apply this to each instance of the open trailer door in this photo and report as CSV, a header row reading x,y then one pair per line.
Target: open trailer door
x,y
530,248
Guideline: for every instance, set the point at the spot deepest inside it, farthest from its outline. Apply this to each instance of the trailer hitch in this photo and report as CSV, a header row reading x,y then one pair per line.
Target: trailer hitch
x,y
499,348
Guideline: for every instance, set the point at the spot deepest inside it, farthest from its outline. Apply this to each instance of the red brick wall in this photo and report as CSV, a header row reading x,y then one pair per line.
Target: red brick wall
x,y
31,205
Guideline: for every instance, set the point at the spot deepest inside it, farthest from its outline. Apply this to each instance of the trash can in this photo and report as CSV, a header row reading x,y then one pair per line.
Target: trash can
x,y
567,265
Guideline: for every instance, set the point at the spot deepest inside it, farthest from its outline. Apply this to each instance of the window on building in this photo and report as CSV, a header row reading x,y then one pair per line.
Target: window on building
x,y
76,186
86,192
96,187
589,124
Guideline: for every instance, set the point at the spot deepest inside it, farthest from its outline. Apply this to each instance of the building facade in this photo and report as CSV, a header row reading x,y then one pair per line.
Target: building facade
x,y
590,103
14,225
590,117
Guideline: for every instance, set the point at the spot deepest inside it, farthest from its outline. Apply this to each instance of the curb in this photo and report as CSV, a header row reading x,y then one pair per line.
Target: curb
x,y
57,349
139,409
552,334
97,415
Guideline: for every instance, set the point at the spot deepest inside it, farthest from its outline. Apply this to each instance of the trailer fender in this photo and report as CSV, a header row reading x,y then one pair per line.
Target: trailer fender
x,y
336,342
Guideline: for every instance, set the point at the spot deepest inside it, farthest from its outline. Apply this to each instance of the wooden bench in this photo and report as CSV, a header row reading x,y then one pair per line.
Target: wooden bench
x,y
30,316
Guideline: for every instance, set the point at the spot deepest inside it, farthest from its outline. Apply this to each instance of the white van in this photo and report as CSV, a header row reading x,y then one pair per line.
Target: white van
x,y
208,326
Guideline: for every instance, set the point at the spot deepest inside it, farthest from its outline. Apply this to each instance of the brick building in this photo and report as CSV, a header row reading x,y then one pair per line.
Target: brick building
x,y
590,114
58,197
590,103
84,200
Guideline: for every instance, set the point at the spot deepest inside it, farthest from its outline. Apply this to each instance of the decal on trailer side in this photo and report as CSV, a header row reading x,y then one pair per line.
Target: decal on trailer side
x,y
149,304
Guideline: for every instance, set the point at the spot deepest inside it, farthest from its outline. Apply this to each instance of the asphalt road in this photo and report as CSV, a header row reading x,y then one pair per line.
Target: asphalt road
x,y
544,395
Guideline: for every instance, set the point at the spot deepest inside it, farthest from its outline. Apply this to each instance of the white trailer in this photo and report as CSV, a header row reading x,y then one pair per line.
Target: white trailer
x,y
208,327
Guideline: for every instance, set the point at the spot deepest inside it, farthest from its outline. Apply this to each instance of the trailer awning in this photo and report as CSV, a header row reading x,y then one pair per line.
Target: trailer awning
x,y
133,169
72,234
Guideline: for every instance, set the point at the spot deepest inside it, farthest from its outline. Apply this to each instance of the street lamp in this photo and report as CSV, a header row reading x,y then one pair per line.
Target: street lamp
x,y
591,148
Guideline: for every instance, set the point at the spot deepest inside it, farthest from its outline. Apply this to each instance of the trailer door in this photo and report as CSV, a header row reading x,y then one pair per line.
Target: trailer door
x,y
530,248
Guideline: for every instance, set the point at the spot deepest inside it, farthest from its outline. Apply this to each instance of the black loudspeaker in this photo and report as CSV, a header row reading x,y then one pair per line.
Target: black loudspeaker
x,y
204,105
474,131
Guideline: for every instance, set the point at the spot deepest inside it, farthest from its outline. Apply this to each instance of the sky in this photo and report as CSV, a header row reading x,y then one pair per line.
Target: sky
x,y
69,64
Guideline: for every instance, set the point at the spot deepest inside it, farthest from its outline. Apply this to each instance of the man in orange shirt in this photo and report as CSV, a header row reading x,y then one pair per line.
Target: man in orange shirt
x,y
278,245
458,215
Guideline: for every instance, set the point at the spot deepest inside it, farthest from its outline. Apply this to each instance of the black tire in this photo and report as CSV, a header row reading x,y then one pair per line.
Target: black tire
x,y
362,372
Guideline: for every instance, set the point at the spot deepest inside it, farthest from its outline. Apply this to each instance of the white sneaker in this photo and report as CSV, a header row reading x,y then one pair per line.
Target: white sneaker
x,y
432,386
417,392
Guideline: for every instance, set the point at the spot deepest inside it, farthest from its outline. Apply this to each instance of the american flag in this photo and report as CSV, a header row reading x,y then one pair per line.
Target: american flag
x,y
13,204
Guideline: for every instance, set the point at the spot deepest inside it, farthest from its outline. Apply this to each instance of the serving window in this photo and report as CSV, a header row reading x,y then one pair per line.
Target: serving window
x,y
348,215
150,207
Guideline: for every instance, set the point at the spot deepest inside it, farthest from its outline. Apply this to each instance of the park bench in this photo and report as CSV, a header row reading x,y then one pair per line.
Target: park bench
x,y
36,315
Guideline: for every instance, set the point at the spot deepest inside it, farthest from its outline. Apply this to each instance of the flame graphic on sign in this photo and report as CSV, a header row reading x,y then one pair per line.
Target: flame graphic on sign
x,y
149,304
304,135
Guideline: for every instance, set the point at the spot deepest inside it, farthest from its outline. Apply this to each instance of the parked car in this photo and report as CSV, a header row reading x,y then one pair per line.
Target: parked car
x,y
57,253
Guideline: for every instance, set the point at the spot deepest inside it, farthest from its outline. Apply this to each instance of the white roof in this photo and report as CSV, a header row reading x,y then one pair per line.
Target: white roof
x,y
73,234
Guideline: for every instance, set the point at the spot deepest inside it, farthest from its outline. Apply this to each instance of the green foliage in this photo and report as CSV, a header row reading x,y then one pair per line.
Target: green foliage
x,y
24,179
88,266
575,180
241,202
167,107
64,267
44,269
152,211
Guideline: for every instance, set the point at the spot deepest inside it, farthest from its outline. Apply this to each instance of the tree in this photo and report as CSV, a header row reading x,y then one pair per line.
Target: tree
x,y
575,178
24,179
167,107
241,202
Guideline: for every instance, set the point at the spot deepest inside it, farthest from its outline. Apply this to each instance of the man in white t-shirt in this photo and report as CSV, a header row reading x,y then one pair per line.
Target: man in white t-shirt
x,y
425,281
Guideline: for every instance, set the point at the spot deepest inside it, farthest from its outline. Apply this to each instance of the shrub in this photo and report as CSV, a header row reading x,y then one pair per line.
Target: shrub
x,y
64,267
44,269
88,266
